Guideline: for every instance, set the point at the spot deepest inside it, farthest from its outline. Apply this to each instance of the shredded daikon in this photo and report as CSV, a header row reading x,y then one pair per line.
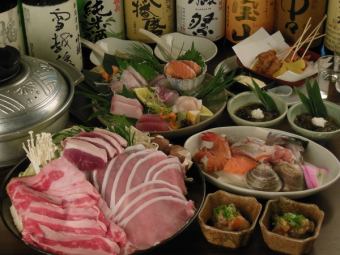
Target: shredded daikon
x,y
40,150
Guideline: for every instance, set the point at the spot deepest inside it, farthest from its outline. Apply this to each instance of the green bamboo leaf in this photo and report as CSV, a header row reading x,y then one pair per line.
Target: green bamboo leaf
x,y
266,99
304,100
319,104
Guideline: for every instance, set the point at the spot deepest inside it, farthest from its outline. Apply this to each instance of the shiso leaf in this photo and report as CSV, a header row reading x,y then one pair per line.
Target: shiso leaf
x,y
266,99
140,53
193,55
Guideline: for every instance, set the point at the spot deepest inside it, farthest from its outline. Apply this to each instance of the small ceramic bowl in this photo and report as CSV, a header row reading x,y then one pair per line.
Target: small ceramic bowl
x,y
333,111
181,43
187,86
247,98
249,207
285,244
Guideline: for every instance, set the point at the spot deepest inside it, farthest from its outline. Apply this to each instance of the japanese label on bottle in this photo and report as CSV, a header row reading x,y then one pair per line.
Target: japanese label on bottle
x,y
10,29
102,19
156,16
292,16
245,17
53,32
205,18
332,39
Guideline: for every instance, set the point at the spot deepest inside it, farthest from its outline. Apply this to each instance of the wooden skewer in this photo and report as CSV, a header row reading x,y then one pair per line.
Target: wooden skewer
x,y
308,24
304,42
314,35
297,41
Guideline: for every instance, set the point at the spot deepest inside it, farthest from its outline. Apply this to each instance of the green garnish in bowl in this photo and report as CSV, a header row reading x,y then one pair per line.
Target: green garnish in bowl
x,y
267,101
313,103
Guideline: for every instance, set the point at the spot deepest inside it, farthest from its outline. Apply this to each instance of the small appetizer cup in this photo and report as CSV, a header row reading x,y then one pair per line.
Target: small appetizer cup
x,y
249,207
286,244
333,112
187,86
246,98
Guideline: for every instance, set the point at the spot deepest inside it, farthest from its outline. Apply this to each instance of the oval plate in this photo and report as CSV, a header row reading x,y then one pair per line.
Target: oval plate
x,y
196,192
315,154
181,43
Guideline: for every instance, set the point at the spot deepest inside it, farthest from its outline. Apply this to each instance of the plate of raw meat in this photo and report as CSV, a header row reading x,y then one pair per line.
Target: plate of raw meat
x,y
261,162
99,196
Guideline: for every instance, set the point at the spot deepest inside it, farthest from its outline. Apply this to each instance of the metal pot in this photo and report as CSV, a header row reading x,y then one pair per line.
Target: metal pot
x,y
35,97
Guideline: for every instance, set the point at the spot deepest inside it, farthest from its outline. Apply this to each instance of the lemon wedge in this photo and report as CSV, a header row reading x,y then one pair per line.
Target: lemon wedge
x,y
205,113
281,71
297,66
143,94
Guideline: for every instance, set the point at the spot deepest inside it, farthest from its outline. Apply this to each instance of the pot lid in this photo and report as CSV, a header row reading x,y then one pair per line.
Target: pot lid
x,y
31,90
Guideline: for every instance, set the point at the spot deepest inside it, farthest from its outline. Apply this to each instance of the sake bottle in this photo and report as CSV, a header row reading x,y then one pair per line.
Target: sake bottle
x,y
156,16
10,25
201,18
244,18
100,19
52,30
292,16
332,38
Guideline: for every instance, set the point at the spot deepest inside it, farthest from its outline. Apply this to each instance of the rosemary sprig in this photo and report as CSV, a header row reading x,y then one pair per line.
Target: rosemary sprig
x,y
266,99
314,103
216,84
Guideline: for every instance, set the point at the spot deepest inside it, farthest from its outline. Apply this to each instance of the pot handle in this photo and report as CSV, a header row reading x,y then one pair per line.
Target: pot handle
x,y
74,76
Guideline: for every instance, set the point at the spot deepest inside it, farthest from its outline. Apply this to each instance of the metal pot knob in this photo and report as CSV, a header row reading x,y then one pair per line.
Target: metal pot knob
x,y
9,63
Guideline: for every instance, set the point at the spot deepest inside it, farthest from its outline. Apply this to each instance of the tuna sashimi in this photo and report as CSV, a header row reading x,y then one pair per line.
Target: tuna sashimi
x,y
128,107
152,122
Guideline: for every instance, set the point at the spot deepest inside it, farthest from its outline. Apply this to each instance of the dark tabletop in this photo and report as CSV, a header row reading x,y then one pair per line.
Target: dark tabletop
x,y
191,241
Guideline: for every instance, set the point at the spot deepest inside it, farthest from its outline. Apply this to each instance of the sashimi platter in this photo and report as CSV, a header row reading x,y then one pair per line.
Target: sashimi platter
x,y
172,99
92,190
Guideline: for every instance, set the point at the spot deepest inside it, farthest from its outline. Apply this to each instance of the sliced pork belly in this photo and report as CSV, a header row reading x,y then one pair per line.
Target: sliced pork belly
x,y
85,155
117,137
156,220
101,143
64,223
108,138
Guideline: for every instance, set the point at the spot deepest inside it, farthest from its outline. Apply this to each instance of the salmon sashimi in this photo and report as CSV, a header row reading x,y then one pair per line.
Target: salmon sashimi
x,y
214,152
194,66
239,164
179,69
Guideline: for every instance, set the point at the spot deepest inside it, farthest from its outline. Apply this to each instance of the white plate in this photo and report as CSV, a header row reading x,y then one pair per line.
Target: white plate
x,y
315,154
111,45
230,63
179,41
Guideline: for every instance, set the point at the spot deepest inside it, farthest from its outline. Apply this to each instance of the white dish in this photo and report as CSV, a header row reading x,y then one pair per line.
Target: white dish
x,y
181,43
230,63
112,45
315,154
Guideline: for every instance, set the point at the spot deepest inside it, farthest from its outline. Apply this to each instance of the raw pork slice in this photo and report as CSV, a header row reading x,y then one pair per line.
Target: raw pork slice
x,y
101,143
62,213
85,155
156,220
